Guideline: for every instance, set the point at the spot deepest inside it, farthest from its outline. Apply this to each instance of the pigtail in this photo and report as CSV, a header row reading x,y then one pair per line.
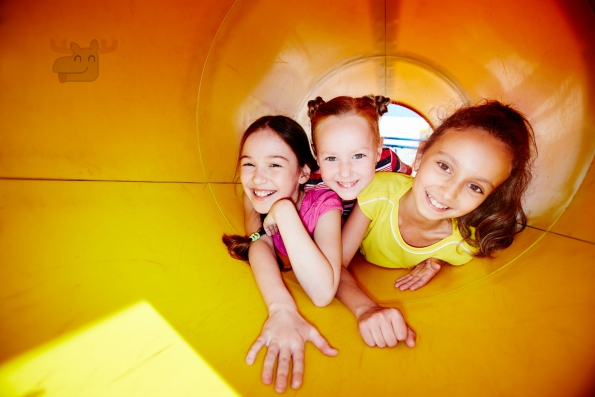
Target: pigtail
x,y
381,103
369,107
238,246
313,106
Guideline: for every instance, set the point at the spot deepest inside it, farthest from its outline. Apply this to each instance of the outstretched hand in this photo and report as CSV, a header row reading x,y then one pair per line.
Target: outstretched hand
x,y
385,326
420,275
285,334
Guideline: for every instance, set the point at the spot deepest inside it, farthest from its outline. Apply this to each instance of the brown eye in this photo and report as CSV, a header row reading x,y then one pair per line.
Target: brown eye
x,y
475,188
444,166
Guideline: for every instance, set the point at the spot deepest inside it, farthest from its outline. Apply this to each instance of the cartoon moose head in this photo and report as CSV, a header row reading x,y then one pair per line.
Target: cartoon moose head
x,y
83,63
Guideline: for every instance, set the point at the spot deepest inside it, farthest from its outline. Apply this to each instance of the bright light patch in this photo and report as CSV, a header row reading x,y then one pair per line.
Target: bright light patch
x,y
402,130
133,353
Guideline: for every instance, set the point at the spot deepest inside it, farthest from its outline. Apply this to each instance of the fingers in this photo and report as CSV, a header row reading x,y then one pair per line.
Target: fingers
x,y
377,329
411,337
399,326
420,275
412,283
419,283
367,336
282,370
271,230
404,282
389,336
269,364
386,327
322,345
298,369
254,349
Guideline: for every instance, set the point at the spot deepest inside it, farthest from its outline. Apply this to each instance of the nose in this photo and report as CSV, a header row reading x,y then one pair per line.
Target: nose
x,y
450,190
259,177
345,169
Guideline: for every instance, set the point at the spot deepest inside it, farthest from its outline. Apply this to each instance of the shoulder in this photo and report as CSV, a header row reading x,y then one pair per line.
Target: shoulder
x,y
320,196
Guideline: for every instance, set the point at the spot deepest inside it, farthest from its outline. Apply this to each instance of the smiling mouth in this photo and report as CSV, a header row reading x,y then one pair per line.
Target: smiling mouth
x,y
435,203
263,193
347,185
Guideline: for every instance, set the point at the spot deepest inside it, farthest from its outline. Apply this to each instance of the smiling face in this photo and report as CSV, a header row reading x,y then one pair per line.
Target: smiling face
x,y
270,170
458,172
347,154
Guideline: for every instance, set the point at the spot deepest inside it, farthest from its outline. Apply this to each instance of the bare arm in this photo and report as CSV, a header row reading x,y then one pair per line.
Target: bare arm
x,y
353,233
316,262
285,332
378,326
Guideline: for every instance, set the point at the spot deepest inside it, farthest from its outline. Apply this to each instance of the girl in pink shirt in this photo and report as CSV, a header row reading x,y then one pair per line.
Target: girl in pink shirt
x,y
302,229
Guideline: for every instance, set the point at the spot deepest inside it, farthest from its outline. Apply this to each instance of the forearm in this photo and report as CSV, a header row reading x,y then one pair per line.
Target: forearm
x,y
352,296
268,277
317,272
353,234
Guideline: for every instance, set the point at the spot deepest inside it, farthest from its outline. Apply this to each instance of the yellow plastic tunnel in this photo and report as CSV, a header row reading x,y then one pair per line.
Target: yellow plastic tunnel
x,y
117,182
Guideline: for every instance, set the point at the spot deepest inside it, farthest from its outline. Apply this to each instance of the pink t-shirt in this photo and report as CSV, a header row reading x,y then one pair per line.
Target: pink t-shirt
x,y
315,204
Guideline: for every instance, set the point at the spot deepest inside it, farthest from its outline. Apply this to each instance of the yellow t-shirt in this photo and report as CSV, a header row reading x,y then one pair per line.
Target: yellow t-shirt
x,y
383,244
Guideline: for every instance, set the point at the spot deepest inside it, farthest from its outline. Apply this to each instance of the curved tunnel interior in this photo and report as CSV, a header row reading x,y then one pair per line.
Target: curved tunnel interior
x,y
116,191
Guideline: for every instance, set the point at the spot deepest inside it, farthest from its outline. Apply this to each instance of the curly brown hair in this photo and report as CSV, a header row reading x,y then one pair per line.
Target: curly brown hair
x,y
501,216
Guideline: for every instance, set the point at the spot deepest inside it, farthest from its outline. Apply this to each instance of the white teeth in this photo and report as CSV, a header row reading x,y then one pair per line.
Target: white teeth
x,y
346,184
263,193
435,203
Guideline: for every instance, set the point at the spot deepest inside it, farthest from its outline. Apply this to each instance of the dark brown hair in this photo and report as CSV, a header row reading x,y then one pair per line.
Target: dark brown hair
x,y
295,137
501,216
369,107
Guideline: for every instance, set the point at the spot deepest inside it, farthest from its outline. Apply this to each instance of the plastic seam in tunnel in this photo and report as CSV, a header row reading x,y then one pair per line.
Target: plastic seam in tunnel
x,y
197,126
385,60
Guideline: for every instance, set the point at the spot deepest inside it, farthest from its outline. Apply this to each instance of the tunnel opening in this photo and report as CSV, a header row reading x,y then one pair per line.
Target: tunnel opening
x,y
402,129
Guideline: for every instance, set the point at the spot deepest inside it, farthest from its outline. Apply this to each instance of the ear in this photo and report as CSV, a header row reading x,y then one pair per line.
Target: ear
x,y
304,174
419,155
74,47
379,153
94,45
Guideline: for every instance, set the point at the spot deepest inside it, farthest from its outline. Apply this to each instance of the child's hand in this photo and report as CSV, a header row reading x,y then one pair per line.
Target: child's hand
x,y
384,326
420,275
285,334
270,224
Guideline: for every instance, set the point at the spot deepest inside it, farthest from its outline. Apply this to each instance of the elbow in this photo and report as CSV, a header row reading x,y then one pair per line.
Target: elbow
x,y
322,300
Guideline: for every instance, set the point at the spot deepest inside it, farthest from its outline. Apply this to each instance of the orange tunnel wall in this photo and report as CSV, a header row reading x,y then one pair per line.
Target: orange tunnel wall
x,y
116,191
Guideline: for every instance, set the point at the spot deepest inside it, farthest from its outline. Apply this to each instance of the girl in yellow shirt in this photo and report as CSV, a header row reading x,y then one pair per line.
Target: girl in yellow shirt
x,y
464,202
